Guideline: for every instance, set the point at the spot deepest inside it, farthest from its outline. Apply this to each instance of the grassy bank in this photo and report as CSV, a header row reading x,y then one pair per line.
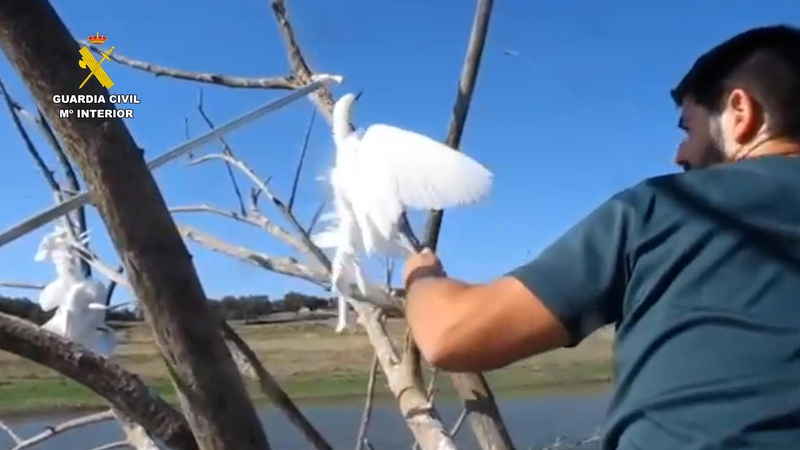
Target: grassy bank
x,y
309,360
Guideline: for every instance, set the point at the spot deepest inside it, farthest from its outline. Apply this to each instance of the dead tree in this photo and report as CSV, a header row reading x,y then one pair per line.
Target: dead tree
x,y
402,369
209,387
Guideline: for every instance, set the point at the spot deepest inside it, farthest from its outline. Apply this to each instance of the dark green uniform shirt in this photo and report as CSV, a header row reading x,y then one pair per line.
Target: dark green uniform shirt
x,y
700,272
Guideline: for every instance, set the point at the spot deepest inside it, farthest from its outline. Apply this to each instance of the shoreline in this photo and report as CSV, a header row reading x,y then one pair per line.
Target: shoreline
x,y
94,403
312,364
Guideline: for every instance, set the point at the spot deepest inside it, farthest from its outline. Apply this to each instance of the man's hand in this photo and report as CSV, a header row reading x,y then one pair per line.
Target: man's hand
x,y
421,265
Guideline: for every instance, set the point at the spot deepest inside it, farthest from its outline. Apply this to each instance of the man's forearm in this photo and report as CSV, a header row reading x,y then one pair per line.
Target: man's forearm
x,y
432,305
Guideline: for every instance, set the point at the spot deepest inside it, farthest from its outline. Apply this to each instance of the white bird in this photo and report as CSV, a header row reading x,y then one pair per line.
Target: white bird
x,y
79,302
379,174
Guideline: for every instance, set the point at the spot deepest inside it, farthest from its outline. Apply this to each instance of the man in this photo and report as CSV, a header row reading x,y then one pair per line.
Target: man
x,y
699,271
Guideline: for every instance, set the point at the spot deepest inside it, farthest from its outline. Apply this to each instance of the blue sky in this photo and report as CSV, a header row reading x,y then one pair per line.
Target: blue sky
x,y
580,112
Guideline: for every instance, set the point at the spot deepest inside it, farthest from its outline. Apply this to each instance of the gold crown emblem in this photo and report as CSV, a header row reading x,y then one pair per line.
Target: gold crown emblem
x,y
97,38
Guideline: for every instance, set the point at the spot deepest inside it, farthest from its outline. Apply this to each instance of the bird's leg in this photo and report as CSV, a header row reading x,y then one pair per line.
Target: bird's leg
x,y
341,322
361,282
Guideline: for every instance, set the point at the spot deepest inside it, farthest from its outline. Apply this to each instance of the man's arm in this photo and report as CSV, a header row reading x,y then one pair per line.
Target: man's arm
x,y
572,288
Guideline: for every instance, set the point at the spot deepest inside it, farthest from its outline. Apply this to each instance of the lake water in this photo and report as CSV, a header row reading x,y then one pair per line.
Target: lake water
x,y
533,421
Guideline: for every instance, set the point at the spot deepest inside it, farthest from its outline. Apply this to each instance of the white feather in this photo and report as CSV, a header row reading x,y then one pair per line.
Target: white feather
x,y
425,174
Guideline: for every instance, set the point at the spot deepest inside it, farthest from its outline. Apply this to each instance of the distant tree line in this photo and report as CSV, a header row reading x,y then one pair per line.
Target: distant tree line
x,y
241,307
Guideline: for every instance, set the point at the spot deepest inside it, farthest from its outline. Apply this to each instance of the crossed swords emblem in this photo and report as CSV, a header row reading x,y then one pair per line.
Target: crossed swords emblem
x,y
88,61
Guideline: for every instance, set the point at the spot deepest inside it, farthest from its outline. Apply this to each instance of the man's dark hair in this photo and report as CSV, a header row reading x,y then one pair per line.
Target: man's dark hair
x,y
763,61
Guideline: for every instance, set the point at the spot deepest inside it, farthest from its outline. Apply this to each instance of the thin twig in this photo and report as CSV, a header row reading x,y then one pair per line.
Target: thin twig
x,y
10,432
459,421
361,440
200,77
112,285
63,427
226,149
315,218
48,173
300,162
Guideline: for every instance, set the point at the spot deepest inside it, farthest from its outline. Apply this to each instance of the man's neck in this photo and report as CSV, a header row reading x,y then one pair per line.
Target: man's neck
x,y
771,147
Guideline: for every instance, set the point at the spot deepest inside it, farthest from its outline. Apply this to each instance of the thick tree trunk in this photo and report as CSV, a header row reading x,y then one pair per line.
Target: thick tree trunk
x,y
211,391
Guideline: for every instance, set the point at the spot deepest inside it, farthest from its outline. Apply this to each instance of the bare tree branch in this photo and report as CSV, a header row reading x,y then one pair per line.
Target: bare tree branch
x,y
284,266
466,87
209,387
62,427
308,246
251,218
48,174
484,415
123,390
200,77
300,69
10,432
15,285
459,421
251,365
77,221
361,439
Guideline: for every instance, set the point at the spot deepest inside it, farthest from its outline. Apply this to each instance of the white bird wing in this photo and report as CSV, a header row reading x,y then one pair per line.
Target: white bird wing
x,y
426,174
54,294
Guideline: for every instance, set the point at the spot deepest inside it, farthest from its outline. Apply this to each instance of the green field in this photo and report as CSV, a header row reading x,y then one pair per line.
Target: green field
x,y
310,361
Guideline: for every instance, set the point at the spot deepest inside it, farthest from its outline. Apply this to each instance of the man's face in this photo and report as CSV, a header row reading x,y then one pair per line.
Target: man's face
x,y
703,145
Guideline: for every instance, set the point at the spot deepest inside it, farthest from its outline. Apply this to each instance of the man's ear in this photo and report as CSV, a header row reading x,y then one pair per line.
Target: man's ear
x,y
745,117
